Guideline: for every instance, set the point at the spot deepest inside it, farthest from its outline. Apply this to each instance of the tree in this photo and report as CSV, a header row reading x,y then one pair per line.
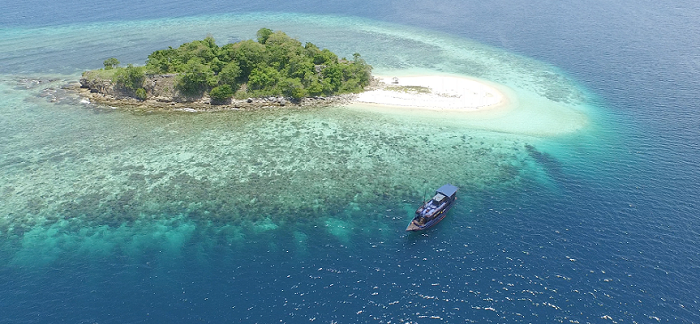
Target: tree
x,y
292,88
311,49
274,64
197,77
163,61
205,50
325,57
333,77
263,34
281,50
221,93
297,66
110,63
130,78
229,75
248,54
315,88
263,77
361,70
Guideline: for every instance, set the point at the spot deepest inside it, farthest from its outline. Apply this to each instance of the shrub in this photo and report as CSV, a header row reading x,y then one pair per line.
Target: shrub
x,y
221,93
141,93
130,78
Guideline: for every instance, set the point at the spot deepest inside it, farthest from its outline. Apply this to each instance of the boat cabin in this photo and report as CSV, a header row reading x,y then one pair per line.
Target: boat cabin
x,y
434,210
448,190
429,208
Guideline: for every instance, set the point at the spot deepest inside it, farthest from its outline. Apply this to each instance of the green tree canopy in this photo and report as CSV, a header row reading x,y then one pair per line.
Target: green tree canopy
x,y
248,54
263,34
230,74
275,64
195,78
110,63
130,78
221,93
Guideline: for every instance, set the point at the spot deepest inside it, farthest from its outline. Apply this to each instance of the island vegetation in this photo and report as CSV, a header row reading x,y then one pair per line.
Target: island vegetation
x,y
273,65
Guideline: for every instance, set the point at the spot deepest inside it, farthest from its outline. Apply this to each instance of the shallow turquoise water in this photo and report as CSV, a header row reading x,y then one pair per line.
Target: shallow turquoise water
x,y
566,213
106,167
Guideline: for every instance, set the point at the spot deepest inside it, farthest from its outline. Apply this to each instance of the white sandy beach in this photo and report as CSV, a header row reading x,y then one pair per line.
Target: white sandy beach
x,y
433,92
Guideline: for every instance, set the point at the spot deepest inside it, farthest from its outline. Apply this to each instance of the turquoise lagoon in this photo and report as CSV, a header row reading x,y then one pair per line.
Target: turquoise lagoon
x,y
298,214
75,169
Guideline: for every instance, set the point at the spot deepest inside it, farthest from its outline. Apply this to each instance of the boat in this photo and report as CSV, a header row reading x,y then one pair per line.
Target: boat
x,y
434,210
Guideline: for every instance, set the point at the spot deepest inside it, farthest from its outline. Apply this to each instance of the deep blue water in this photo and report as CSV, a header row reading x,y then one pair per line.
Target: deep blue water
x,y
612,234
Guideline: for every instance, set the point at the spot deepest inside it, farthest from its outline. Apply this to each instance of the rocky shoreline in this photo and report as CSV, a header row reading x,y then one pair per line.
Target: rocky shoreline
x,y
162,97
415,92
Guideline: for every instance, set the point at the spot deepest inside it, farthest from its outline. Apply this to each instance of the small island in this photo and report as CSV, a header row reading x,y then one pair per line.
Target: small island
x,y
274,70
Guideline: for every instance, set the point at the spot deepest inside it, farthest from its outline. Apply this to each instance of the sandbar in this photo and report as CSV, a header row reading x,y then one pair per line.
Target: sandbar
x,y
434,92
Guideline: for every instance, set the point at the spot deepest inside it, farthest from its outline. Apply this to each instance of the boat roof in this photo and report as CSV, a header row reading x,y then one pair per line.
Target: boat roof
x,y
448,190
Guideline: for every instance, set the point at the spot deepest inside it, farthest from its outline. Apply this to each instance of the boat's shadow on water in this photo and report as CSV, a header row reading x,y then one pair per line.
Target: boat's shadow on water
x,y
416,237
413,237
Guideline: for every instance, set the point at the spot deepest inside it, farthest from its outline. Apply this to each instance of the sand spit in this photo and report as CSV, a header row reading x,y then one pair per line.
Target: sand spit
x,y
433,92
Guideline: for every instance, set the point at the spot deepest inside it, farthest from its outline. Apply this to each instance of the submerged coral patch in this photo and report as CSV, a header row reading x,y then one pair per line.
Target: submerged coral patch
x,y
260,167
67,165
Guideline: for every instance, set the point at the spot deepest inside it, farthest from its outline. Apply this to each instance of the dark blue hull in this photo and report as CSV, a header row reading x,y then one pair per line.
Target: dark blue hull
x,y
440,215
